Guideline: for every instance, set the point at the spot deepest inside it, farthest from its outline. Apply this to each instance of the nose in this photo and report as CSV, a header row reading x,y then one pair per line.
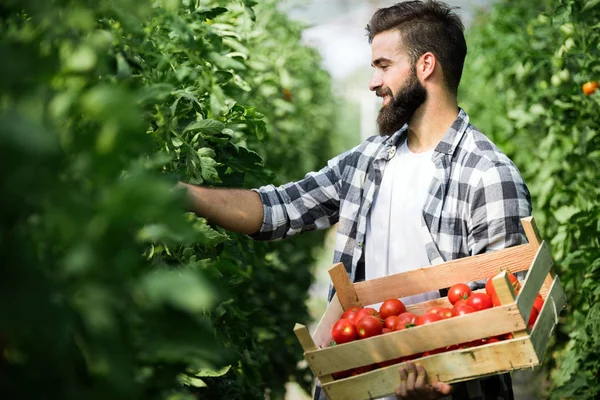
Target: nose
x,y
375,81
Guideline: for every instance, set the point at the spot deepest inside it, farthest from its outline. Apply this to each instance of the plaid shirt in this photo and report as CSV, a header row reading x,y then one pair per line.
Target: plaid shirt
x,y
474,205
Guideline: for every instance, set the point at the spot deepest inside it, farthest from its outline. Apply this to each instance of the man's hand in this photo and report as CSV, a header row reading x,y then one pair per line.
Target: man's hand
x,y
413,384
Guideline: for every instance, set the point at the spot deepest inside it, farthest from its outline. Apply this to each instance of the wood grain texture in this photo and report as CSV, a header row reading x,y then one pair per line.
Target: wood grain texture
x,y
531,231
506,294
451,367
322,333
308,344
343,286
482,324
535,240
540,267
304,338
517,258
547,320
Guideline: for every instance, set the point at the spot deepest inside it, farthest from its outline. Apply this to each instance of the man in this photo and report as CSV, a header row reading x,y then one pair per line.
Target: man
x,y
430,188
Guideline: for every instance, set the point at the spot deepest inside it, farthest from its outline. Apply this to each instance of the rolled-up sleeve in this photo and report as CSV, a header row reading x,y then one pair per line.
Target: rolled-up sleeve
x,y
309,204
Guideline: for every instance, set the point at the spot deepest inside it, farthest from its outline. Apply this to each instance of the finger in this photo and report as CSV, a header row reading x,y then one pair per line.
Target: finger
x,y
401,390
411,377
442,388
421,381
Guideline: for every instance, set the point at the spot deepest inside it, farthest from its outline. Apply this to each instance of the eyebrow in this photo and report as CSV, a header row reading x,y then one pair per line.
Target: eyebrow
x,y
379,61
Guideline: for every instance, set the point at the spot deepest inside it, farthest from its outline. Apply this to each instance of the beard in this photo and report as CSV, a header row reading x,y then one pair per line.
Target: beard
x,y
402,107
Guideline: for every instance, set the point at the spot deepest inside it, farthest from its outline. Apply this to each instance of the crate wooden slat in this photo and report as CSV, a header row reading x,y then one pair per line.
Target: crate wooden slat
x,y
472,362
444,275
524,351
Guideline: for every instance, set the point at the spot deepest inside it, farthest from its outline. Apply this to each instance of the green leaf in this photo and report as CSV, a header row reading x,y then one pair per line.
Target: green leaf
x,y
212,373
206,126
564,213
210,13
179,288
225,62
207,236
589,4
191,381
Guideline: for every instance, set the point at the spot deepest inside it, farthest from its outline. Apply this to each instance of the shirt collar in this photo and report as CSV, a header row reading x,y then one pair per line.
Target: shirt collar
x,y
448,143
454,134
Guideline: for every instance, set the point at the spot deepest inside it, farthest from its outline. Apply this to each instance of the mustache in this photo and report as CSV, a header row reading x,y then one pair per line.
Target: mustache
x,y
381,92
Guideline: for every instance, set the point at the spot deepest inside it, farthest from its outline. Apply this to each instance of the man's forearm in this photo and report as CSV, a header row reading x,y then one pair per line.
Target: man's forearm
x,y
237,210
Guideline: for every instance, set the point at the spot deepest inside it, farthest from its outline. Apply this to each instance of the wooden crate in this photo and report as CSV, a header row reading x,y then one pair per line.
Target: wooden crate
x,y
525,350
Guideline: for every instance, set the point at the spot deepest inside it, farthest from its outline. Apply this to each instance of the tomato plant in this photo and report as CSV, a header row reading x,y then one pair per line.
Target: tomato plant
x,y
548,127
589,87
105,105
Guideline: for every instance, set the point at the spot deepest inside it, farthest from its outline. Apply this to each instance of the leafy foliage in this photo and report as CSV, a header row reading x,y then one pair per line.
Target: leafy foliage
x,y
109,290
526,66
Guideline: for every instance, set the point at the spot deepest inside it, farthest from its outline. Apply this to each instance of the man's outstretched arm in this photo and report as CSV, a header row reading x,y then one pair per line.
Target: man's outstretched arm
x,y
237,210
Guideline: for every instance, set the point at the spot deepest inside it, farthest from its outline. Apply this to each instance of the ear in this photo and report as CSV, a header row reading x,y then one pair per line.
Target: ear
x,y
426,65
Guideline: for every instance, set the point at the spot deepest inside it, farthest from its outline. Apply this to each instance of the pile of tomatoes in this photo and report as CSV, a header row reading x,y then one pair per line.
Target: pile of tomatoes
x,y
364,322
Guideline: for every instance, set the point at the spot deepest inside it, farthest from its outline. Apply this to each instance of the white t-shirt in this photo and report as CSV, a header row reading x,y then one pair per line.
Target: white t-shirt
x,y
396,244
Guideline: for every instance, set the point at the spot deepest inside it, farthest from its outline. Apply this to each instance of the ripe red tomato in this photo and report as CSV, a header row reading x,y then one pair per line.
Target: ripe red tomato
x,y
489,287
445,313
387,363
491,340
532,317
457,292
589,87
363,312
391,321
343,331
472,343
538,302
480,301
460,303
362,370
341,374
369,326
349,313
434,310
462,310
391,307
405,320
434,351
427,318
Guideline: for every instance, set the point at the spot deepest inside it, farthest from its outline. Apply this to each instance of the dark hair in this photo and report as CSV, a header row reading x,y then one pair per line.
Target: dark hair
x,y
426,26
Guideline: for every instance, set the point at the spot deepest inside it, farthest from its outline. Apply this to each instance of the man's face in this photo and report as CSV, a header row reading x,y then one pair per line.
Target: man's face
x,y
395,80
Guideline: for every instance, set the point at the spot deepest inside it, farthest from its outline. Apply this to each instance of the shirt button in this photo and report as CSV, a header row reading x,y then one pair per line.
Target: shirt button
x,y
392,151
360,244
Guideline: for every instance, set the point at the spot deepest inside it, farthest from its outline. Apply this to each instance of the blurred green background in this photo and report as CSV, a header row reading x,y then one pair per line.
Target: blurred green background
x,y
110,290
